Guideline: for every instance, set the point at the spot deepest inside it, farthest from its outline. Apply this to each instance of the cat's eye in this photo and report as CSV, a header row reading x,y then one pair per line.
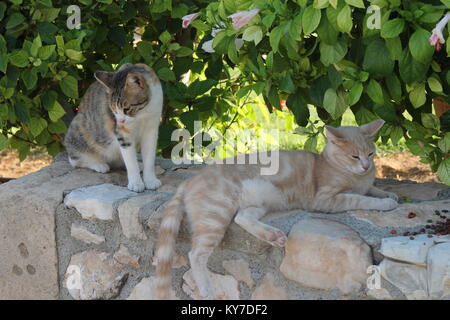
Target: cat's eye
x,y
355,157
370,154
139,103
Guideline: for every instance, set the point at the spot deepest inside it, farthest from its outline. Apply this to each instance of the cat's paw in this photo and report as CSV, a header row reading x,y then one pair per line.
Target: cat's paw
x,y
100,167
136,185
391,195
276,238
152,183
387,204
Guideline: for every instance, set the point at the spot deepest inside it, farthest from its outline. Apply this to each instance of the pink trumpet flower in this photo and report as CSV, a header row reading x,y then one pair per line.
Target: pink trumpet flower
x,y
188,19
241,18
437,39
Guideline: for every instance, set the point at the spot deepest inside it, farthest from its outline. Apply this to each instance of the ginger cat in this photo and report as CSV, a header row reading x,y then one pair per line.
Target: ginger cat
x,y
339,179
119,113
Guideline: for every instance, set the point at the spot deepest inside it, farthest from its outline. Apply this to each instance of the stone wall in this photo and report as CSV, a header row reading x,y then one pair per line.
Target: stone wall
x,y
76,234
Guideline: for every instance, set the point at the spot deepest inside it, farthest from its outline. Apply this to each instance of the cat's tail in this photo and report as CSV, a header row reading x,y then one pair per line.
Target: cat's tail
x,y
168,232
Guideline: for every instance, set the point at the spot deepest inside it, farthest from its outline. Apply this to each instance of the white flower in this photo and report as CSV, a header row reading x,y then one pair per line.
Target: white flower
x,y
207,46
188,19
437,38
241,18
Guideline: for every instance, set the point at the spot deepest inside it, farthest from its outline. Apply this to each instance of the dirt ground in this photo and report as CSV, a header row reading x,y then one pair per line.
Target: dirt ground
x,y
399,166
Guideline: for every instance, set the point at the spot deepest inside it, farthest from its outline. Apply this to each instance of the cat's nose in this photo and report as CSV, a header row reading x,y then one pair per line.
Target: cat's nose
x,y
121,120
366,166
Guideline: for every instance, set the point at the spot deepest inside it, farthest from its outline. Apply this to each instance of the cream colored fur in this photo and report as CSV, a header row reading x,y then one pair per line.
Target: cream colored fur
x,y
339,179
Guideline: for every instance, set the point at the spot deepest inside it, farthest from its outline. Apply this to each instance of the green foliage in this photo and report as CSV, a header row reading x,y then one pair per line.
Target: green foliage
x,y
307,52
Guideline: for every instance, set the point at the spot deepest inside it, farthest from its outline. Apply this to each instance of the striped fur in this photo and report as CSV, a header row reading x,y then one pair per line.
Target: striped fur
x,y
119,113
339,179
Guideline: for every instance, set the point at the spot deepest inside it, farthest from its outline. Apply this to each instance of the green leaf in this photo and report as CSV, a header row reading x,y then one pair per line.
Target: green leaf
x,y
19,59
330,101
434,85
363,116
166,74
394,87
330,54
311,144
320,4
286,84
311,19
410,69
377,60
356,3
74,55
327,33
29,78
375,92
57,127
14,20
199,25
420,48
60,45
56,111
417,96
444,171
299,108
394,45
37,43
396,134
2,11
37,125
45,52
392,28
355,93
430,121
200,87
275,37
3,142
3,62
184,52
165,37
334,103
253,33
386,111
344,19
69,86
444,143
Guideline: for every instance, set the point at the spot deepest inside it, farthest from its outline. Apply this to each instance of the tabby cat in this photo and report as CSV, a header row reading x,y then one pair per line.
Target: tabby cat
x,y
339,179
119,113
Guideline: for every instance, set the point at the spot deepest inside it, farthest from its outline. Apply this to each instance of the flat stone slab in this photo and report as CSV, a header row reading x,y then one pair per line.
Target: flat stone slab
x,y
98,201
146,290
439,270
399,217
410,250
93,275
82,234
411,279
133,212
29,262
412,190
325,254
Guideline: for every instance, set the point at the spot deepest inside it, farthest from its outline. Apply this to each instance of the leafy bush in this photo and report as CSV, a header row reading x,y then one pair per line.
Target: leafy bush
x,y
322,52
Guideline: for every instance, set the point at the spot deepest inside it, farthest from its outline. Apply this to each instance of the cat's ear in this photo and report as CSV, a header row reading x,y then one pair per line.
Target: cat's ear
x,y
334,136
135,80
371,129
105,78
